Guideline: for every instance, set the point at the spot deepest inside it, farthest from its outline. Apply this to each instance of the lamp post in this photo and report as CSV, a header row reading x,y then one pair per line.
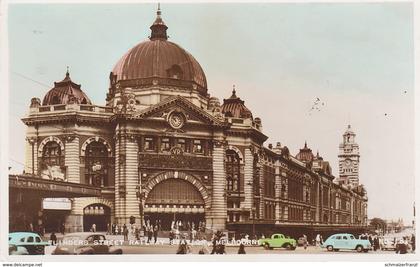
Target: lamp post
x,y
140,197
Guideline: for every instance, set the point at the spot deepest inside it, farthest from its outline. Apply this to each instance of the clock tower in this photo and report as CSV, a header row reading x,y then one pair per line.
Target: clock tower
x,y
348,159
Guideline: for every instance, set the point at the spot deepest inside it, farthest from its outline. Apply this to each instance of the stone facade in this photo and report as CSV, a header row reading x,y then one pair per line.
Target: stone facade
x,y
158,137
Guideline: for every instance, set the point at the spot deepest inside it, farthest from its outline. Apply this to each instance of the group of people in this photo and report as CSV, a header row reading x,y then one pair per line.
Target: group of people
x,y
150,231
404,244
188,226
373,240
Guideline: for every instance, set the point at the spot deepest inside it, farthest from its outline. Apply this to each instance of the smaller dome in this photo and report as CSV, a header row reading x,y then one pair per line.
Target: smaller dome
x,y
235,107
65,92
305,154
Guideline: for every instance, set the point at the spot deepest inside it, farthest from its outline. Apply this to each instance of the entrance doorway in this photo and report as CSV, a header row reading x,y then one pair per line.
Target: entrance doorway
x,y
167,219
97,214
175,201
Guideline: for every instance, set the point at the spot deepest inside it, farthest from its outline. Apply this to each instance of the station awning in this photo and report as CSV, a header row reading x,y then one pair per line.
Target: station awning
x,y
51,188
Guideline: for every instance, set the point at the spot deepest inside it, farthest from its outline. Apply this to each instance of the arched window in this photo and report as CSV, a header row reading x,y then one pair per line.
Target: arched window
x,y
175,72
51,155
55,100
233,172
96,164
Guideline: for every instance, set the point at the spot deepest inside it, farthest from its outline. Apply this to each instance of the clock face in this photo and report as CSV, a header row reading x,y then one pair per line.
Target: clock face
x,y
348,162
176,120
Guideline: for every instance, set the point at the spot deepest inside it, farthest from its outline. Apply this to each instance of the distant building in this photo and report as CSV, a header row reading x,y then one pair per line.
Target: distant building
x,y
349,159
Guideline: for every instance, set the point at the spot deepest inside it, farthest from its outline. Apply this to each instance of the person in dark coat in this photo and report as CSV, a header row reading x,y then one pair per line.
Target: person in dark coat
x,y
413,242
113,229
376,243
155,232
125,232
149,233
53,239
241,249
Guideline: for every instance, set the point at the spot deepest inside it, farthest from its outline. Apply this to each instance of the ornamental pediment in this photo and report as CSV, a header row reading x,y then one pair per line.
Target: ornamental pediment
x,y
178,111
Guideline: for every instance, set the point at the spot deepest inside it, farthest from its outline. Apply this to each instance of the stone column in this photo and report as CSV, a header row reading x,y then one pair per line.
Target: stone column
x,y
248,179
31,155
219,207
131,179
119,172
126,177
74,221
72,159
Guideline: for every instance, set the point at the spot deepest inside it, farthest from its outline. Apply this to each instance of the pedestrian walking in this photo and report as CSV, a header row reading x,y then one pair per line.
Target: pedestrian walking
x,y
93,228
125,232
376,243
241,249
149,234
413,242
318,240
305,241
53,239
155,232
171,236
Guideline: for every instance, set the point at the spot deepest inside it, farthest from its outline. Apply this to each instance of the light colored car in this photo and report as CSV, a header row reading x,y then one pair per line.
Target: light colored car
x,y
31,242
387,244
278,241
346,241
86,243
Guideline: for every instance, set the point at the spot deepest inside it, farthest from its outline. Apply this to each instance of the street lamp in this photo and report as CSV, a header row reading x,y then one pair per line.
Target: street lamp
x,y
140,197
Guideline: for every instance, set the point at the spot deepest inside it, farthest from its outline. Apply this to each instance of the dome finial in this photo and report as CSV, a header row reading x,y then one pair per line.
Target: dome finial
x,y
306,145
67,78
158,28
233,91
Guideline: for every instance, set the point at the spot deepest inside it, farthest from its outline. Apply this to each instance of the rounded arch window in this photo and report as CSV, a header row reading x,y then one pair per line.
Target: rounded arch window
x,y
51,154
233,172
96,164
175,72
55,100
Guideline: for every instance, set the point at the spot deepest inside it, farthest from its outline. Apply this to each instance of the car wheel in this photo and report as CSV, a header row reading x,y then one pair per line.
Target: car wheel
x,y
330,248
359,248
266,246
293,248
336,249
287,246
366,250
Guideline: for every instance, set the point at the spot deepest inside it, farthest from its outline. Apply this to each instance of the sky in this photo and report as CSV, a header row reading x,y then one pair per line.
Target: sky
x,y
357,58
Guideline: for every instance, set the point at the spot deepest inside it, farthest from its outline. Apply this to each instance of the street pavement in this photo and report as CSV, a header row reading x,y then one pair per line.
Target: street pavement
x,y
162,246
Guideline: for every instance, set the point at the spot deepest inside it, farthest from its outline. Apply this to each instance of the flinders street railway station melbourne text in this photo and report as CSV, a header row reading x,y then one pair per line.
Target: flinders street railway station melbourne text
x,y
162,148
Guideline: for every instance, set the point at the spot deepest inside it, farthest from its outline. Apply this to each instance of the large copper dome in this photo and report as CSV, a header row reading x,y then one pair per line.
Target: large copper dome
x,y
159,58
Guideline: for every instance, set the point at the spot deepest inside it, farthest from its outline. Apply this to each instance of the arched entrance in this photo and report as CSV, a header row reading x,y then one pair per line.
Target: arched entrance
x,y
175,201
97,214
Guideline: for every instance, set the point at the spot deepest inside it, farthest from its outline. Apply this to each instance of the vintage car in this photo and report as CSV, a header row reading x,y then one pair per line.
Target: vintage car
x,y
387,244
31,242
85,243
346,241
17,250
278,241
